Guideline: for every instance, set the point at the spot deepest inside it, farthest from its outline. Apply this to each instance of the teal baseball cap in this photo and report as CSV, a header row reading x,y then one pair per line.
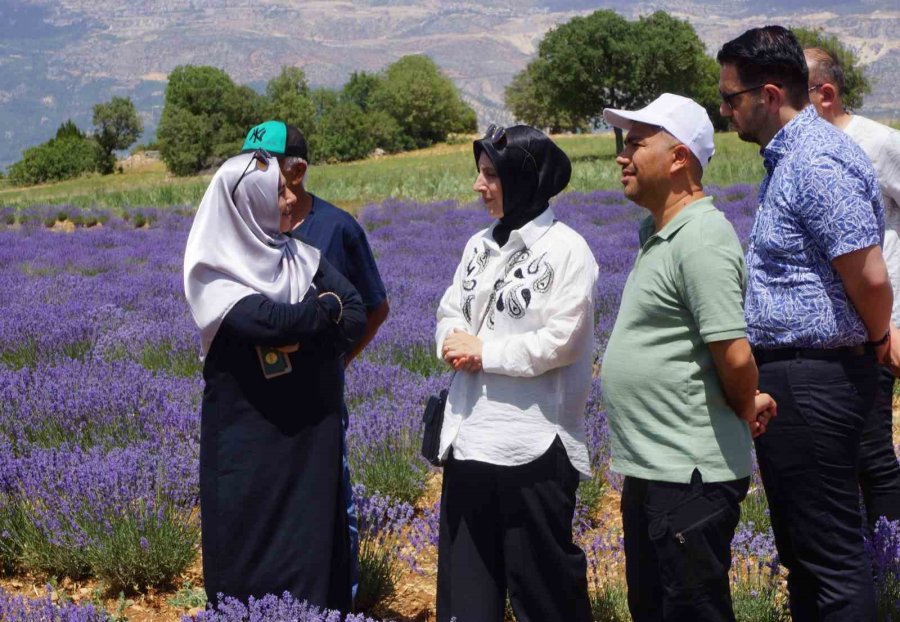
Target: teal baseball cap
x,y
278,138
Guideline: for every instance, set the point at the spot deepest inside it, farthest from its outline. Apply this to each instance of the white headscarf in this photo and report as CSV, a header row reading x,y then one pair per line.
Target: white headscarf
x,y
235,248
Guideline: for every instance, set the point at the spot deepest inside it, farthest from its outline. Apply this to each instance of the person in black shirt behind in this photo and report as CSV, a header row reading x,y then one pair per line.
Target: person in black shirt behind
x,y
273,315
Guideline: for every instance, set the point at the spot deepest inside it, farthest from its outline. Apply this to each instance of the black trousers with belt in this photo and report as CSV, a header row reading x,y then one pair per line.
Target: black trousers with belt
x,y
509,529
879,471
678,548
808,461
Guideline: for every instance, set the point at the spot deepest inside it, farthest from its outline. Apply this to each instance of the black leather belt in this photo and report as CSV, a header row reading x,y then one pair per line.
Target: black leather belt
x,y
843,353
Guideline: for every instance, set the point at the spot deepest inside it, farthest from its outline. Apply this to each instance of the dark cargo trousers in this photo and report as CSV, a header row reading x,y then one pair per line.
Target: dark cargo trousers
x,y
678,548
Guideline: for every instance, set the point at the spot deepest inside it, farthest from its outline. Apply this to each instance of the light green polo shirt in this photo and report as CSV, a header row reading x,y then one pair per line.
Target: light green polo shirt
x,y
665,405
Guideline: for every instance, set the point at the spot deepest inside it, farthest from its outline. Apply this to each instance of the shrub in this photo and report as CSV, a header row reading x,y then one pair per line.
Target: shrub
x,y
59,158
143,547
422,99
884,548
381,523
758,602
392,468
271,608
607,593
19,609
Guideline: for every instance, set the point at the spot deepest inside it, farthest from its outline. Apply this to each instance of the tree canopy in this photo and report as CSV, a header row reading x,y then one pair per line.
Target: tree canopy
x,y
289,100
68,154
205,118
602,60
410,104
117,126
424,102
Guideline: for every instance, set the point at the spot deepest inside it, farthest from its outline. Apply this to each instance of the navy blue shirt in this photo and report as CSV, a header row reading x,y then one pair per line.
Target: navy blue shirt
x,y
819,200
344,244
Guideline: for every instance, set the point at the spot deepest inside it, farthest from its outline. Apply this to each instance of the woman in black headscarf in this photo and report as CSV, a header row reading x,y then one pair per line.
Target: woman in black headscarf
x,y
517,326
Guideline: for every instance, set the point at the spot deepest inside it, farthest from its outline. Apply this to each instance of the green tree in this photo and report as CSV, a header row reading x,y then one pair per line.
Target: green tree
x,y
65,157
117,126
289,100
673,59
242,109
205,118
185,140
424,102
324,99
347,132
343,134
359,87
69,129
856,84
531,102
603,61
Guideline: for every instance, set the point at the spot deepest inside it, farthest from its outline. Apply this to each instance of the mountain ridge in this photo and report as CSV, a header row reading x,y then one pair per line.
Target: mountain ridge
x,y
57,59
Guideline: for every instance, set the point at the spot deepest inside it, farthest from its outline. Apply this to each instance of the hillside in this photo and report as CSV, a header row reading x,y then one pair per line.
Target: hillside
x,y
57,59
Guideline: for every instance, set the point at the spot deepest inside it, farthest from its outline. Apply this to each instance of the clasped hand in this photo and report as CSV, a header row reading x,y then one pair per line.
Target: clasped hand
x,y
765,408
889,354
462,351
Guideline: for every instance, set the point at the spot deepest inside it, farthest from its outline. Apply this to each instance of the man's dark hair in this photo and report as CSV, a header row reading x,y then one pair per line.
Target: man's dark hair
x,y
769,55
825,68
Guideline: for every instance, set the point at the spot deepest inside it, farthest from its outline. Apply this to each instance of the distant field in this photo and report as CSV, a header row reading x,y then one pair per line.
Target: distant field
x,y
438,173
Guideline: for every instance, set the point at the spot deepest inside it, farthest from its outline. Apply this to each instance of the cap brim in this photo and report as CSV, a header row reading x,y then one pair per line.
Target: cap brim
x,y
624,119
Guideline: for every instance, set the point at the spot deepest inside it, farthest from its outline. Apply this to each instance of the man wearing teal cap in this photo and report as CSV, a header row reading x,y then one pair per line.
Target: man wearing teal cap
x,y
343,242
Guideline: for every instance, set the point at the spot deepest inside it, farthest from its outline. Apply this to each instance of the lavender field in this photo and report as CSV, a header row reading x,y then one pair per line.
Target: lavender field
x,y
99,414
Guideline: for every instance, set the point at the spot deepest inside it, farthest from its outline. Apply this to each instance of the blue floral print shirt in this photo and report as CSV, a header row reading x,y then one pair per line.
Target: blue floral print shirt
x,y
819,200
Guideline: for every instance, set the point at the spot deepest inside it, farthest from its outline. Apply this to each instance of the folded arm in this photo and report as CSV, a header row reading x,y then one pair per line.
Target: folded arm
x,y
317,321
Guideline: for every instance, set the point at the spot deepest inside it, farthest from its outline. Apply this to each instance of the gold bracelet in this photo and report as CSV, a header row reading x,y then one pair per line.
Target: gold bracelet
x,y
340,305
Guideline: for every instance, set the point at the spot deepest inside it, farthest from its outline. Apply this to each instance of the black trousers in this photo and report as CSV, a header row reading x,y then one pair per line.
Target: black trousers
x,y
879,471
678,548
510,528
808,462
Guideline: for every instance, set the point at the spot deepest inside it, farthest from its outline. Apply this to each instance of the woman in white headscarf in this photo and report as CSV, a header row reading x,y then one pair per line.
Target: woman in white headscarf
x,y
274,319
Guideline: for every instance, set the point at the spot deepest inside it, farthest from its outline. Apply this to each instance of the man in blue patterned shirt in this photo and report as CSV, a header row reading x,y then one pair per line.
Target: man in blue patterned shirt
x,y
818,308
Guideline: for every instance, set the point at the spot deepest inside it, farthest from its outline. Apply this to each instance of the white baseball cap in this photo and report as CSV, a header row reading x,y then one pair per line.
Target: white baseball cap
x,y
680,116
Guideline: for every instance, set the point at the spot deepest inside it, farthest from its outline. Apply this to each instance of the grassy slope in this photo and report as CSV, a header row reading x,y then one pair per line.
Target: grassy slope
x,y
438,173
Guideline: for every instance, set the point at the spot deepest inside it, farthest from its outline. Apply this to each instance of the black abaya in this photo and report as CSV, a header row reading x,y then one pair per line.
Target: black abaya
x,y
270,470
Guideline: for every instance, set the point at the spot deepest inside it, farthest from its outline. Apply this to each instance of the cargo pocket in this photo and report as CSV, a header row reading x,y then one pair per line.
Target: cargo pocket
x,y
687,538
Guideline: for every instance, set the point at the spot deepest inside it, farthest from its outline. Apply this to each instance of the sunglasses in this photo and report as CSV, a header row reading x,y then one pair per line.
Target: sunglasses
x,y
260,156
728,98
497,135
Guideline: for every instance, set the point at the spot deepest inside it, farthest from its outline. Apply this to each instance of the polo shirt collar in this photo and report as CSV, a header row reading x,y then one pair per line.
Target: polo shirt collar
x,y
784,139
688,213
525,236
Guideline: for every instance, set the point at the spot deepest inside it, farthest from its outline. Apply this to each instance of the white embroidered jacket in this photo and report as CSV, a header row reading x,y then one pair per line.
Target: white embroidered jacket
x,y
538,336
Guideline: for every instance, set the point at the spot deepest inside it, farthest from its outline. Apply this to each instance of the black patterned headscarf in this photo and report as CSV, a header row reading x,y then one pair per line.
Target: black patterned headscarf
x,y
532,170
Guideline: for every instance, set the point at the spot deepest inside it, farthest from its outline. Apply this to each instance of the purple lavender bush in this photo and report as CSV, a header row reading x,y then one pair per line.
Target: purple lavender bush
x,y
271,608
382,524
19,609
98,448
100,390
884,547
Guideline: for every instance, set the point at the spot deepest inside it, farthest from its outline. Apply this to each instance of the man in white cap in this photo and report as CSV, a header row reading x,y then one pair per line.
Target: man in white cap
x,y
679,379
